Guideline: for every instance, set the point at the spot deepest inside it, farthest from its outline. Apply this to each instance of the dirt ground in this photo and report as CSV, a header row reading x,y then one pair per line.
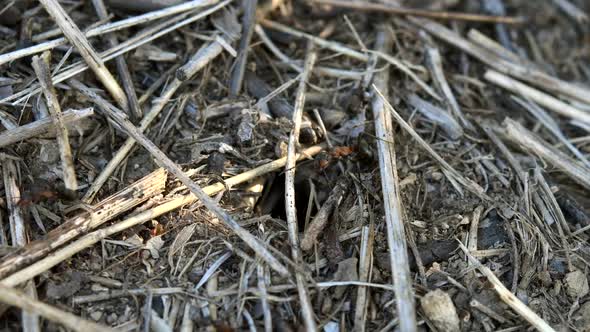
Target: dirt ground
x,y
428,193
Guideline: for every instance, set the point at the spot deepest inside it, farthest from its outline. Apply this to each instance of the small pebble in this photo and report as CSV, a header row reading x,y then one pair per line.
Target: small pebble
x,y
576,284
96,315
440,310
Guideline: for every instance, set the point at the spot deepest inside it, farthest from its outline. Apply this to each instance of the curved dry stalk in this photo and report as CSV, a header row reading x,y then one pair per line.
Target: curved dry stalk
x,y
539,97
516,133
290,208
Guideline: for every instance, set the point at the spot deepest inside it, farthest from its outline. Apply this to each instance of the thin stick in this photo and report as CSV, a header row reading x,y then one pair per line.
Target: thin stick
x,y
306,307
374,7
515,69
317,225
248,22
199,60
108,27
122,68
163,208
30,321
456,176
474,228
41,66
42,126
154,111
22,301
365,265
396,237
505,295
540,97
104,211
77,38
518,134
173,168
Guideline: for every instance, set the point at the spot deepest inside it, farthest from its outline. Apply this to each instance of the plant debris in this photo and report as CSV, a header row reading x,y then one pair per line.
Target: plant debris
x,y
289,165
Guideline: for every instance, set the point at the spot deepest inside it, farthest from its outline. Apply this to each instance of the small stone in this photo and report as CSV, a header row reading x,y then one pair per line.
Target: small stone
x,y
96,315
112,318
439,308
576,284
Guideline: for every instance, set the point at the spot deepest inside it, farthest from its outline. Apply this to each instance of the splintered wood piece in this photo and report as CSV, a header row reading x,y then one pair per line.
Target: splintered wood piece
x,y
104,211
39,127
90,239
41,66
396,236
161,159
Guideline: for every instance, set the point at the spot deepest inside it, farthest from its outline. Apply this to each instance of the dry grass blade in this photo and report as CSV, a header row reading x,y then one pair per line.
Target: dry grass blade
x,y
306,307
396,237
22,301
198,61
143,37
